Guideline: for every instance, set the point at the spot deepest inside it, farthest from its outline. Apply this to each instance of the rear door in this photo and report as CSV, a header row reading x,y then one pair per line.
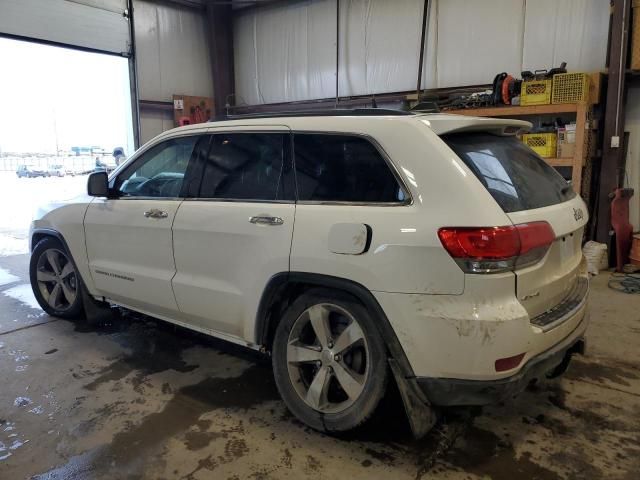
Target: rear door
x,y
529,190
128,236
234,231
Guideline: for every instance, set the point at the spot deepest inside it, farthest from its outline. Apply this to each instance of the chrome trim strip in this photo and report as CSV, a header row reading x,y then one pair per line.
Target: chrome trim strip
x,y
237,200
268,129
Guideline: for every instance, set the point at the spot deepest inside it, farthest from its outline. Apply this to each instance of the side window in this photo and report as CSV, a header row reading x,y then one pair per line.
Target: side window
x,y
343,168
159,172
248,166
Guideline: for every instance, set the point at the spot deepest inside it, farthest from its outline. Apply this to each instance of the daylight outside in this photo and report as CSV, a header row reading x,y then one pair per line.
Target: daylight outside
x,y
54,133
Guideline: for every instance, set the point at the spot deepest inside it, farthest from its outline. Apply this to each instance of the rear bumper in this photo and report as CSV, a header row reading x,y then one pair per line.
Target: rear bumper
x,y
551,363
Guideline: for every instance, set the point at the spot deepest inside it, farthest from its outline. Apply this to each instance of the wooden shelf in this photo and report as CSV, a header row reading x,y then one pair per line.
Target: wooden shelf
x,y
507,111
560,162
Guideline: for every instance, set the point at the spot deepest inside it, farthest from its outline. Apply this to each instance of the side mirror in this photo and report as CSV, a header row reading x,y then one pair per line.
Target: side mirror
x,y
98,184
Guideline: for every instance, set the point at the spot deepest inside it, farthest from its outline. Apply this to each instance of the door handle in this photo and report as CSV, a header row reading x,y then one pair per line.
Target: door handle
x,y
156,213
266,220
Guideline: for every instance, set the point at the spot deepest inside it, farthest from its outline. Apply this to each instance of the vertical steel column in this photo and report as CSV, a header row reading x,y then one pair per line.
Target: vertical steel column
x,y
337,49
425,16
133,78
220,33
612,156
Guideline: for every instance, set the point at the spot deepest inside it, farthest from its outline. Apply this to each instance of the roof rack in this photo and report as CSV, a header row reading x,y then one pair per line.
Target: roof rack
x,y
339,112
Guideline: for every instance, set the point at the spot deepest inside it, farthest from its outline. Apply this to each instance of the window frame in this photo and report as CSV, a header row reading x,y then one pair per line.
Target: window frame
x,y
134,163
383,154
287,132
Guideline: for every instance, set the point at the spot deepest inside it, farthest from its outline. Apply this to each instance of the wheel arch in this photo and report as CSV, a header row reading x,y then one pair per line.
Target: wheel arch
x,y
40,233
285,287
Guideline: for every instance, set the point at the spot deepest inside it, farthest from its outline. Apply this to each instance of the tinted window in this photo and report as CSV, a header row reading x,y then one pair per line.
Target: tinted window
x,y
159,172
517,178
342,168
247,166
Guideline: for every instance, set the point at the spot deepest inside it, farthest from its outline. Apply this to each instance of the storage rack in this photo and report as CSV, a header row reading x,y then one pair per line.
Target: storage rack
x,y
581,111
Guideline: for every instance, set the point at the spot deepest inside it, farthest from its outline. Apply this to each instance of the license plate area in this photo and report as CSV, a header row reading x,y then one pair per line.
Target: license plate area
x,y
564,310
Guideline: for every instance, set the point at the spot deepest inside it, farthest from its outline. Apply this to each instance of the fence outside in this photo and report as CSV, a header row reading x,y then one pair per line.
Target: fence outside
x,y
83,163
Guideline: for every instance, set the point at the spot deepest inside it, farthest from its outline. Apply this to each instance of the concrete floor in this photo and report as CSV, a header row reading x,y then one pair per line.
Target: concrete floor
x,y
140,399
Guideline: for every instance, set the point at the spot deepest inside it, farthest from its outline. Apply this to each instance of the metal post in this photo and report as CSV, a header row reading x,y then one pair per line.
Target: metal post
x,y
220,34
425,15
337,48
133,79
612,151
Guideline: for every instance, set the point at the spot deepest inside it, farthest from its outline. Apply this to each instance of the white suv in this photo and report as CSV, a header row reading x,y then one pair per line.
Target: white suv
x,y
354,247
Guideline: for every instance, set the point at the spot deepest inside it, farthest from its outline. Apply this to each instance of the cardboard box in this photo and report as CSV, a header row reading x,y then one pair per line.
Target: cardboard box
x,y
188,110
566,150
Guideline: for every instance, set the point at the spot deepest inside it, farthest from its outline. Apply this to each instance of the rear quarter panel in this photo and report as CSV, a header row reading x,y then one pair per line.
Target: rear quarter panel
x,y
405,255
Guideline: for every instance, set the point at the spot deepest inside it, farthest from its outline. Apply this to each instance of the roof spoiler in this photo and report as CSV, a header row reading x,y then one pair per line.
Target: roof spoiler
x,y
461,123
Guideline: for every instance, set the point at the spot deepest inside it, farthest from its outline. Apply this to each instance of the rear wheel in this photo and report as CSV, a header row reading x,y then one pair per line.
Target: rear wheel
x,y
329,361
54,280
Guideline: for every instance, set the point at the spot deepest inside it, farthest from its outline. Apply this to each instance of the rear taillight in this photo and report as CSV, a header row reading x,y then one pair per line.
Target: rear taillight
x,y
497,249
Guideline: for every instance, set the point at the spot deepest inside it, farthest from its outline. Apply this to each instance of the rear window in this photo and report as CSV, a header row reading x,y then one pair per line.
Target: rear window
x,y
515,176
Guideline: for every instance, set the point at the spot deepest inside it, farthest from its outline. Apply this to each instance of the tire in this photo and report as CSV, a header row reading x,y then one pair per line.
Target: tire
x,y
352,379
55,281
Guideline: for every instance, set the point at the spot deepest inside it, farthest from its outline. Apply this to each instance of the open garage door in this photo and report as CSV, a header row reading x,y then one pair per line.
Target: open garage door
x,y
88,24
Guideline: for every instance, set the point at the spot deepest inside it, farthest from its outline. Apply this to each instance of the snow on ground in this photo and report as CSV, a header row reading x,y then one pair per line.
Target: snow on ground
x,y
6,277
23,294
19,199
10,245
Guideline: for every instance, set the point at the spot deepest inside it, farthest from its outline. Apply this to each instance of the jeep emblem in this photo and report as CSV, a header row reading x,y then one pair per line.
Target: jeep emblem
x,y
577,214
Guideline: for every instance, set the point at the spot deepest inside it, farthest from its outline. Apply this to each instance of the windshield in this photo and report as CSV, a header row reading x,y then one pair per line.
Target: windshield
x,y
515,176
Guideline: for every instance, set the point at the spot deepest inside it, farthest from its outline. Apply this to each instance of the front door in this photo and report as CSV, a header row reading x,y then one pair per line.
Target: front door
x,y
128,236
235,233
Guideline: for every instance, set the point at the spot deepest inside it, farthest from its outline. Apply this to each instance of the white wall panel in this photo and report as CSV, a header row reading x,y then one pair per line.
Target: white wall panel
x,y
572,31
245,61
154,122
95,24
477,40
379,45
632,171
286,52
172,52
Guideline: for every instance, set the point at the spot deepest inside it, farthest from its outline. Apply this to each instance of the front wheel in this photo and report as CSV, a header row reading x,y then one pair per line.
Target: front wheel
x,y
329,361
55,281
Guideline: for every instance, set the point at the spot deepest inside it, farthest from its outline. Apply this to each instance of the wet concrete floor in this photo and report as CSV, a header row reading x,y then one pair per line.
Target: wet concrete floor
x,y
140,399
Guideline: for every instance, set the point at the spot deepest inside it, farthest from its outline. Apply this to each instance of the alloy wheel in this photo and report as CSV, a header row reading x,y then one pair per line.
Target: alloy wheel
x,y
327,358
57,279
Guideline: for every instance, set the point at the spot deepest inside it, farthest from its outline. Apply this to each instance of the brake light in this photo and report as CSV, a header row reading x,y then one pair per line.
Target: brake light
x,y
497,249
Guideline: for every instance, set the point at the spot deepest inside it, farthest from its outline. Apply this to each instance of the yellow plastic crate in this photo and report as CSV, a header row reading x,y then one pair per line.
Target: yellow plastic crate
x,y
570,88
544,144
535,92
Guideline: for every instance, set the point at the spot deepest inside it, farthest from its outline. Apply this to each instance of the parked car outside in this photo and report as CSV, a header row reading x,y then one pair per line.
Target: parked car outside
x,y
57,171
31,171
436,251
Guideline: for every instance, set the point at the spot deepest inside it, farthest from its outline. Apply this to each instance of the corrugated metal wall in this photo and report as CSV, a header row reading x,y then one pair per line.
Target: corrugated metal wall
x,y
94,24
172,57
287,52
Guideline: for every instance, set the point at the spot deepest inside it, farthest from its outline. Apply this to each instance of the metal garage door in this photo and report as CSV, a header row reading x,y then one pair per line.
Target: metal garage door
x,y
93,24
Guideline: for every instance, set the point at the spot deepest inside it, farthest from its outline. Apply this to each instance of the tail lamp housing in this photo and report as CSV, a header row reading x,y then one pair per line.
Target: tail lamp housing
x,y
497,249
